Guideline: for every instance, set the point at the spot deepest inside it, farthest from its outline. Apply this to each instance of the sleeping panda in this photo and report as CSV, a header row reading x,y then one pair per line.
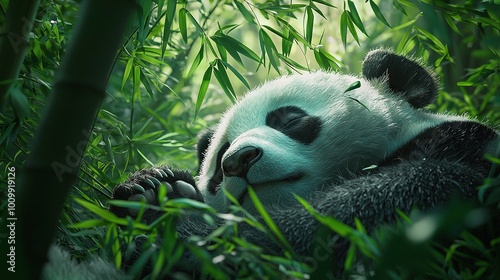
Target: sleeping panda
x,y
350,146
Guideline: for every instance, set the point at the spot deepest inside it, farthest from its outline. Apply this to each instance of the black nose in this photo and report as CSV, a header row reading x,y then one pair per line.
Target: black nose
x,y
240,162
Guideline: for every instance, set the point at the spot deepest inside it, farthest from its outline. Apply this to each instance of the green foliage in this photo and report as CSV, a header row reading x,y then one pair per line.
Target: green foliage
x,y
162,92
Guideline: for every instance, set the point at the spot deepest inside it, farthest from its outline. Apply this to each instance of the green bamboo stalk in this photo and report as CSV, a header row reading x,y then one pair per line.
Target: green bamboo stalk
x,y
14,41
63,131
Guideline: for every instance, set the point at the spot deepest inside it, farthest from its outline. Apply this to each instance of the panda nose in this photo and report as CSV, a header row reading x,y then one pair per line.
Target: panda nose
x,y
238,164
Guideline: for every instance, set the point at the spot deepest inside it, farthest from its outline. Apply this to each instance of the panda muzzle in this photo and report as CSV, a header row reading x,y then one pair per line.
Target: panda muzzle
x,y
238,164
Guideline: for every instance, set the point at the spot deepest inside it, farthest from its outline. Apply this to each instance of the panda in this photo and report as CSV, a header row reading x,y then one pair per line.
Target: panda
x,y
351,146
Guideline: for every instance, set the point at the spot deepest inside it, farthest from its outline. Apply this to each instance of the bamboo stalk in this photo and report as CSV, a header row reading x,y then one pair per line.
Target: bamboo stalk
x,y
64,130
14,41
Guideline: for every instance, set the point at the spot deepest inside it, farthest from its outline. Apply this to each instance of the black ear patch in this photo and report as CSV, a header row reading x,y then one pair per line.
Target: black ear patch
x,y
406,77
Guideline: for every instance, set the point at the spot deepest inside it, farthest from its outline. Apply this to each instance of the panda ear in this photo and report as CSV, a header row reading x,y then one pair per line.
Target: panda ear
x,y
403,76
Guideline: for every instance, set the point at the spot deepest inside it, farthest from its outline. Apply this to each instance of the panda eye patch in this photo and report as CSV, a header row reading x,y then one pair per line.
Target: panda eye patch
x,y
295,123
293,120
284,116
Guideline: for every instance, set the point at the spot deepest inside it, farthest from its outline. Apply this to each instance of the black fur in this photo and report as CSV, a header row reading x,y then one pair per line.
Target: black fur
x,y
295,123
405,77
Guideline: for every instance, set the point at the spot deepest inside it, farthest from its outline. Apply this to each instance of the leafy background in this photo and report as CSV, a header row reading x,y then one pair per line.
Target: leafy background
x,y
184,62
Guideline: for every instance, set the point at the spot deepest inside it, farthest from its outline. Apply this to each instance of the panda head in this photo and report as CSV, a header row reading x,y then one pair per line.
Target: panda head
x,y
305,132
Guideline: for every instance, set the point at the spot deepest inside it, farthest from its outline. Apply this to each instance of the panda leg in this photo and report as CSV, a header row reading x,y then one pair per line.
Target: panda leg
x,y
144,185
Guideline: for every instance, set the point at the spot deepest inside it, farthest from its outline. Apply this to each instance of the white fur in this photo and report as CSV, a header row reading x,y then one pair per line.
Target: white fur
x,y
351,138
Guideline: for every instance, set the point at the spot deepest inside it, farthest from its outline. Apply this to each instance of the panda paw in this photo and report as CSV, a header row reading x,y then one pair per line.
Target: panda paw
x,y
144,185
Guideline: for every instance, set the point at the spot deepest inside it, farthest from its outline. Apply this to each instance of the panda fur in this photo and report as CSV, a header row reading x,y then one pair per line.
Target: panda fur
x,y
351,146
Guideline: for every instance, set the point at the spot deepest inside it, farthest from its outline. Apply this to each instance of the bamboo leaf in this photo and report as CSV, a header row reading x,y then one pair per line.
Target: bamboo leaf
x,y
451,23
103,213
270,49
244,12
351,27
439,47
355,18
197,60
143,12
331,58
203,89
408,23
19,103
194,22
126,72
325,60
169,19
296,35
287,43
317,10
267,219
89,224
109,150
221,76
149,59
189,203
403,41
147,84
309,24
286,39
285,9
10,133
182,24
399,7
292,63
237,74
359,102
493,159
329,221
343,28
353,86
324,3
320,60
350,257
409,45
232,45
136,80
378,14
223,54
465,84
159,8
275,31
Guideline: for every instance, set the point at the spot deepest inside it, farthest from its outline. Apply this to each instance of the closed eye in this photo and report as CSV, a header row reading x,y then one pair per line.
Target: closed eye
x,y
293,122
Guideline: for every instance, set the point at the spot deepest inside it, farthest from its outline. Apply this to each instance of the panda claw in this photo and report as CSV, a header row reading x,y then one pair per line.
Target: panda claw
x,y
155,181
163,174
170,173
138,188
169,187
159,173
150,183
